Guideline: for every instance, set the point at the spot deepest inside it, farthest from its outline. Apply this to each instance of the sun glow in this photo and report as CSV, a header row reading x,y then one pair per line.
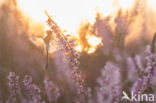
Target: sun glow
x,y
94,42
68,14
78,48
124,4
91,50
152,4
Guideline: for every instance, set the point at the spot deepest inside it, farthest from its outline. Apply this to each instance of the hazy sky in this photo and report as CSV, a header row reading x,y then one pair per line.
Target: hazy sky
x,y
69,13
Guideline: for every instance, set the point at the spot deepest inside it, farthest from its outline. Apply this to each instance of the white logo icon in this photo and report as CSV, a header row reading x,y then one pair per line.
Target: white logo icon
x,y
125,96
137,97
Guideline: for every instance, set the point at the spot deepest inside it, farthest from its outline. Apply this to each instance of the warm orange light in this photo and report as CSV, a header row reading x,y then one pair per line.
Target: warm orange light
x,y
69,13
93,40
124,4
91,50
152,4
78,48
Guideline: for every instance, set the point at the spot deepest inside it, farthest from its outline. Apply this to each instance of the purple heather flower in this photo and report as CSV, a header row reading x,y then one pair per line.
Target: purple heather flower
x,y
13,83
52,91
109,81
139,62
132,69
137,85
71,55
32,89
146,79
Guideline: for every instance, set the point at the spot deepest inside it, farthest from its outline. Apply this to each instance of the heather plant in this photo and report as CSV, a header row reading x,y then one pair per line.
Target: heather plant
x,y
72,57
33,90
52,91
144,83
13,83
109,90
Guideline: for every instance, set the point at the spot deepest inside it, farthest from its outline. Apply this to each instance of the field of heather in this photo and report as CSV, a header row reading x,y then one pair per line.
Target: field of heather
x,y
75,55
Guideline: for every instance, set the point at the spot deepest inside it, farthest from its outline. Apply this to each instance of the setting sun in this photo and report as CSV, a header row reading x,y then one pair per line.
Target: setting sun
x,y
93,40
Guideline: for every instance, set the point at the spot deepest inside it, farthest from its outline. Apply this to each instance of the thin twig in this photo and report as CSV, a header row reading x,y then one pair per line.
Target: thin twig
x,y
153,43
47,59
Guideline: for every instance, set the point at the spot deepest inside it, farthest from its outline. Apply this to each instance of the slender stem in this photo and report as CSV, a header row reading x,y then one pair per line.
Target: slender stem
x,y
47,59
153,43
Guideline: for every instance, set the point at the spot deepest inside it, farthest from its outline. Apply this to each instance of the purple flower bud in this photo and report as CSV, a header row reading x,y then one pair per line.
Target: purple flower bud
x,y
52,91
32,89
13,83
